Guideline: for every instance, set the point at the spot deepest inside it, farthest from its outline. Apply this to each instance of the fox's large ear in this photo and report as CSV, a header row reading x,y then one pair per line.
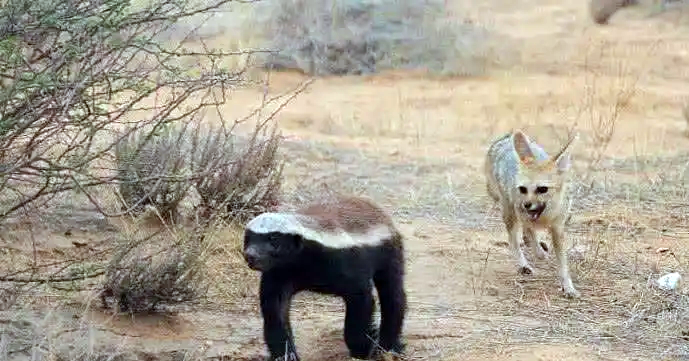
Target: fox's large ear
x,y
563,160
521,146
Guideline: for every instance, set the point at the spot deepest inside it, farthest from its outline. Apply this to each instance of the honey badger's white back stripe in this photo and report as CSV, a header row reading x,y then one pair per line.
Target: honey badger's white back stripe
x,y
295,224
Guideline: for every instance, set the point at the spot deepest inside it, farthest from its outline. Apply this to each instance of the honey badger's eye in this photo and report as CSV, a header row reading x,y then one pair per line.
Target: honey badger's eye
x,y
522,190
541,190
274,241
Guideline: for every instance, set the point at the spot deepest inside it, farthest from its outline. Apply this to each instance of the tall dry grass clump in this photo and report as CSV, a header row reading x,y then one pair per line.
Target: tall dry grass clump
x,y
151,168
242,177
146,272
359,37
233,176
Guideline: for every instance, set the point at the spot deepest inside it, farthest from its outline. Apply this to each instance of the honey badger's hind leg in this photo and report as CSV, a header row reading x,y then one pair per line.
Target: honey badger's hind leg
x,y
389,282
359,332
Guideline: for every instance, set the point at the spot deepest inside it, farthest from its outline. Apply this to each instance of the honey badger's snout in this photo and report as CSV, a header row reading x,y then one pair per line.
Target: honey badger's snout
x,y
252,256
533,209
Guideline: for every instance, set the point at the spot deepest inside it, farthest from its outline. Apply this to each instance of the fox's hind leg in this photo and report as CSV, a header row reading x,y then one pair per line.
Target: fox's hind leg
x,y
492,192
539,248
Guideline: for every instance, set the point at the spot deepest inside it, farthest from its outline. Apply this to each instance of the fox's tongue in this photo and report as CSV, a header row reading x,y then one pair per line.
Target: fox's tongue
x,y
533,215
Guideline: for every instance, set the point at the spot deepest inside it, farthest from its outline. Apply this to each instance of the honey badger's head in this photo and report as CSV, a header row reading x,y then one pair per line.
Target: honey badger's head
x,y
271,240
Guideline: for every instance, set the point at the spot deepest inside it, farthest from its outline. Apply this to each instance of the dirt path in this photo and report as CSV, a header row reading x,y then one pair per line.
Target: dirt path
x,y
416,145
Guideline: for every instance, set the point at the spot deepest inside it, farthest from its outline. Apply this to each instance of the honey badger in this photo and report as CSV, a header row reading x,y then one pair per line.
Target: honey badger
x,y
344,248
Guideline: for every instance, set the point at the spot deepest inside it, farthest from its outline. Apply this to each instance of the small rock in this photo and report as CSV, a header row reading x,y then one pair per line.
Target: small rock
x,y
79,244
492,291
662,250
418,234
670,281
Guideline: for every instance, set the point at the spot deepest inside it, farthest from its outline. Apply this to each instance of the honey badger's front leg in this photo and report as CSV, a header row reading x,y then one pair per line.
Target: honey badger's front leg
x,y
275,302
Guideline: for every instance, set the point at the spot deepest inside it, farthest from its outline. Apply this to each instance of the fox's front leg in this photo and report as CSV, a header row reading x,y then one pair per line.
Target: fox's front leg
x,y
538,248
557,233
515,234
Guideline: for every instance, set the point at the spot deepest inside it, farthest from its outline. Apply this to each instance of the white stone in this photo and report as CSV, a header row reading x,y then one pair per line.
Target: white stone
x,y
669,281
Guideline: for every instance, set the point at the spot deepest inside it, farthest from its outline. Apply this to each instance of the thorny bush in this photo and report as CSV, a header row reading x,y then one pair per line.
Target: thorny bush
x,y
242,177
152,171
149,272
74,74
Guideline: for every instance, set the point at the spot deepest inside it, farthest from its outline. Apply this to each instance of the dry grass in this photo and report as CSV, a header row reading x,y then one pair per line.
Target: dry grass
x,y
156,273
235,176
242,177
623,309
144,274
66,335
151,170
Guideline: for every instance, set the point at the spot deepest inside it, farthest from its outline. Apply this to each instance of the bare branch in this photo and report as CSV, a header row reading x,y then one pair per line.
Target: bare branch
x,y
51,279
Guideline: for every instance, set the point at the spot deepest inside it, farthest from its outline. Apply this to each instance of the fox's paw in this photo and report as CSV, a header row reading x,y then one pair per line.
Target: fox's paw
x,y
571,293
525,270
544,246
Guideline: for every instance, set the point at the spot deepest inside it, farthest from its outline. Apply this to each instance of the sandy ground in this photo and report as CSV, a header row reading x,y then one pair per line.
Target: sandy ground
x,y
416,145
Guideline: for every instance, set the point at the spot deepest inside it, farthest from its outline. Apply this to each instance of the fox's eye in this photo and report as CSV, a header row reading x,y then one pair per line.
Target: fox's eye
x,y
541,190
523,190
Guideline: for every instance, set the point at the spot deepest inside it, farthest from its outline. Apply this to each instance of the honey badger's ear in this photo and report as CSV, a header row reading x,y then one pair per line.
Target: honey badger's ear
x,y
297,242
521,146
562,159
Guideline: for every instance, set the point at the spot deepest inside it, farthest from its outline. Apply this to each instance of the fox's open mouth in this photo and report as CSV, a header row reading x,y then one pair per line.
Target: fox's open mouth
x,y
535,212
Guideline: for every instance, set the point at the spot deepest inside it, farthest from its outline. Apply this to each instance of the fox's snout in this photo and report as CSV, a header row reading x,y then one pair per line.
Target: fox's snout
x,y
533,209
532,206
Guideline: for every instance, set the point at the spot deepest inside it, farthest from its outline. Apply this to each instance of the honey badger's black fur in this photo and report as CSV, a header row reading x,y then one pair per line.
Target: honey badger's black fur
x,y
344,249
